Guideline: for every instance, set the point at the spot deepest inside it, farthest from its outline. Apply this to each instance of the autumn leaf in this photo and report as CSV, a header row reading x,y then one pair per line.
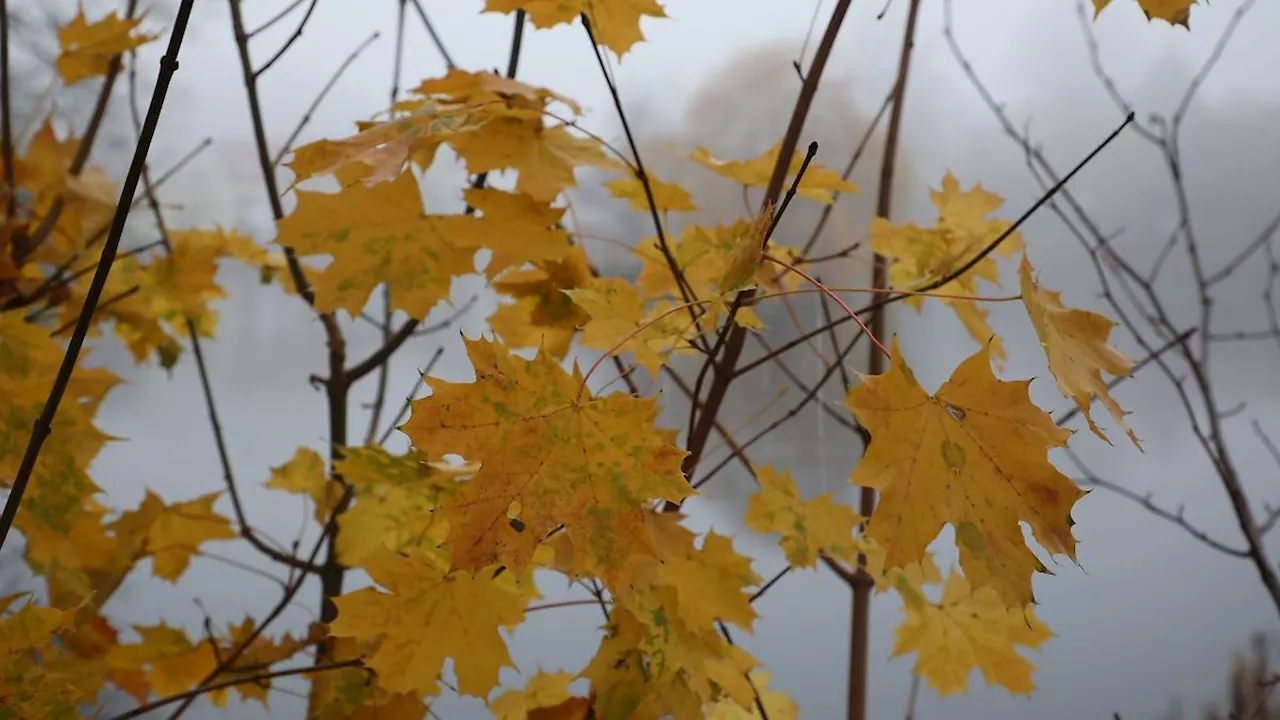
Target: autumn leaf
x,y
974,455
709,583
426,616
1174,12
304,474
544,156
543,316
172,534
377,234
667,197
962,231
396,499
818,183
515,227
621,323
660,667
544,690
255,658
35,678
1075,341
87,48
615,23
60,487
173,663
970,629
777,704
547,458
808,528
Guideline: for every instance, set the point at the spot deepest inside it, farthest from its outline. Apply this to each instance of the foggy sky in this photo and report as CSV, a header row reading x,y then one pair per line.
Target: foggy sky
x,y
1153,614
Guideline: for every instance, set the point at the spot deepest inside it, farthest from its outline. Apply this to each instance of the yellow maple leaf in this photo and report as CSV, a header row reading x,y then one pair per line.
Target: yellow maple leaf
x,y
545,156
87,48
254,659
351,693
172,662
427,616
968,629
652,665
621,323
667,197
777,704
377,234
548,457
975,455
384,148
396,498
304,474
962,230
615,23
479,89
60,486
1075,341
174,533
809,528
37,677
818,183
543,316
1174,12
706,583
515,227
544,690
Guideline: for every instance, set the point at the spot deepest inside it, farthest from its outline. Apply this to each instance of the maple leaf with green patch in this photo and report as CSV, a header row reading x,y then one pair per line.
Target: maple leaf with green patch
x,y
808,528
548,457
395,501
974,454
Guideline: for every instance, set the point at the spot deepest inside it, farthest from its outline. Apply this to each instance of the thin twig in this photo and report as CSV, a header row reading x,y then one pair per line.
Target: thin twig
x,y
435,37
324,91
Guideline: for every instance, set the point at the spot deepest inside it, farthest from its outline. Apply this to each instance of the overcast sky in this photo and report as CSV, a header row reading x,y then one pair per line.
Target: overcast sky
x,y
1153,616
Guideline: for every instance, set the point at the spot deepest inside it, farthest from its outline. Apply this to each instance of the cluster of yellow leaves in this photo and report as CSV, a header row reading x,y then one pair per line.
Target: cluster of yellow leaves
x,y
553,476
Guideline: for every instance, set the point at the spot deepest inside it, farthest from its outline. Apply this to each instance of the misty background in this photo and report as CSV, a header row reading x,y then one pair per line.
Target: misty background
x,y
1151,617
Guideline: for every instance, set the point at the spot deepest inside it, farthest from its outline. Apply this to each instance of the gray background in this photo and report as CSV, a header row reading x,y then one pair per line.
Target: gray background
x,y
1151,617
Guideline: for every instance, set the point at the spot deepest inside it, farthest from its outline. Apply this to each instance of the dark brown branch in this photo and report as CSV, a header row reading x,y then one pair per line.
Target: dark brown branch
x,y
44,425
